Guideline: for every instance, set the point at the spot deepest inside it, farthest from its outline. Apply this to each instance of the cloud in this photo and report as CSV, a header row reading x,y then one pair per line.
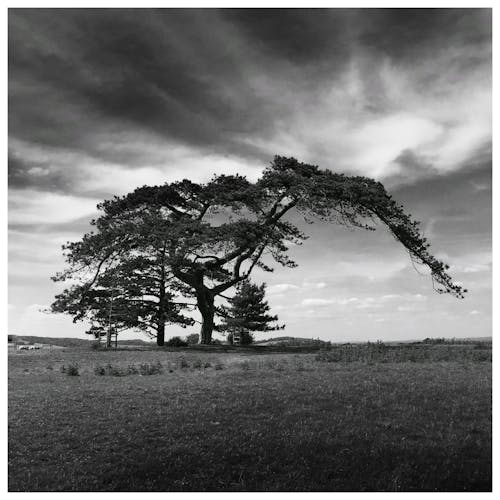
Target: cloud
x,y
46,167
32,207
281,288
410,166
381,140
31,320
320,285
477,268
335,84
389,301
317,302
478,262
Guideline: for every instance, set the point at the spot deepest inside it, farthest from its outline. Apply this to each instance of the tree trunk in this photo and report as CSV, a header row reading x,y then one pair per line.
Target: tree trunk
x,y
205,302
108,334
207,327
160,335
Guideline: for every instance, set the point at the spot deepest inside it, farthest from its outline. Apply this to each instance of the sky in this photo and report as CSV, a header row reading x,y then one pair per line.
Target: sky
x,y
103,101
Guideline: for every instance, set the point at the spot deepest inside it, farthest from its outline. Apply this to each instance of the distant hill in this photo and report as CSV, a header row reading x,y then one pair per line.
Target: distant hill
x,y
136,342
301,341
295,341
68,341
278,341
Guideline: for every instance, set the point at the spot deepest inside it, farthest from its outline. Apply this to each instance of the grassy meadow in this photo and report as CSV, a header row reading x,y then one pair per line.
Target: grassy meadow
x,y
367,419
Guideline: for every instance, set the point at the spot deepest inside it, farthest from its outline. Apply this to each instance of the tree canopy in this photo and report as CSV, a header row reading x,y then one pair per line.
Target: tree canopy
x,y
196,241
248,311
129,292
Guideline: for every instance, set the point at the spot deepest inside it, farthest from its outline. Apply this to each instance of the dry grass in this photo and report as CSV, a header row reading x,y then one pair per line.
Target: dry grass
x,y
230,422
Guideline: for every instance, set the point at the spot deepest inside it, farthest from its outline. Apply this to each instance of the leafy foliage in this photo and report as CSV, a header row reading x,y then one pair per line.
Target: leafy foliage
x,y
130,294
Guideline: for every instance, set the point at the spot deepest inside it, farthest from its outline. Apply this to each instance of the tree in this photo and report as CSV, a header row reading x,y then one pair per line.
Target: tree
x,y
248,312
207,238
130,293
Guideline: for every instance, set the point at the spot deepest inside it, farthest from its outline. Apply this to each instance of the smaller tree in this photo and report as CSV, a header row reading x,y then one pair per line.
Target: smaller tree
x,y
118,299
248,312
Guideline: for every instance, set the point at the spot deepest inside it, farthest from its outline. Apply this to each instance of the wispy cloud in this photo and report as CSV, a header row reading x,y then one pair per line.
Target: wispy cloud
x,y
33,206
281,288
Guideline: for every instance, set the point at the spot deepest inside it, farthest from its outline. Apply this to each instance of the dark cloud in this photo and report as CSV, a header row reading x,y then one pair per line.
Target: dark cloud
x,y
311,36
165,71
195,75
301,36
36,175
457,205
411,33
454,184
412,167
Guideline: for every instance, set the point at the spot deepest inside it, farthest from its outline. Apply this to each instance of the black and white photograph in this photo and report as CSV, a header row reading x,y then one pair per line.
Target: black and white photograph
x,y
249,249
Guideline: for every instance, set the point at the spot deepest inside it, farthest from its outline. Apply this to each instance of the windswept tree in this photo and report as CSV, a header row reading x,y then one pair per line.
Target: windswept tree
x,y
248,311
208,238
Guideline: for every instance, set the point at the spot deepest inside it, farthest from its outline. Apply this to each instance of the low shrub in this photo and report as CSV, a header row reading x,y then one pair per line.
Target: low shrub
x,y
151,369
176,342
219,366
197,364
117,371
100,370
111,370
192,339
246,338
73,370
132,370
183,363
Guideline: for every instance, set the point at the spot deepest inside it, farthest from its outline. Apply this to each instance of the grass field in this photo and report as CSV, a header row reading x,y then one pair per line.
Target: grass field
x,y
243,421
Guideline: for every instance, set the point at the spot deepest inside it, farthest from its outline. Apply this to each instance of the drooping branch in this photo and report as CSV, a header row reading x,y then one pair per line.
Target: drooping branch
x,y
351,201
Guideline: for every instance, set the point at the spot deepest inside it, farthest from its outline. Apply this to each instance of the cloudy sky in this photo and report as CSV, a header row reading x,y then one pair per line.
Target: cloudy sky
x,y
102,101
